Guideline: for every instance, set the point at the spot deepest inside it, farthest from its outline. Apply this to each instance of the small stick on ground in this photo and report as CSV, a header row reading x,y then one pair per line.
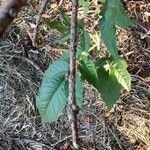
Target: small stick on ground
x,y
44,3
72,107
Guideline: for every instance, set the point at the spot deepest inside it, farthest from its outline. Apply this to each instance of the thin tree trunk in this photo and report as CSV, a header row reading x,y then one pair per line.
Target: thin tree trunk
x,y
72,107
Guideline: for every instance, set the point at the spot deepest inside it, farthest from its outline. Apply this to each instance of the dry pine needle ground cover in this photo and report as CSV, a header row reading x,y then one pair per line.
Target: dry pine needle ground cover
x,y
127,127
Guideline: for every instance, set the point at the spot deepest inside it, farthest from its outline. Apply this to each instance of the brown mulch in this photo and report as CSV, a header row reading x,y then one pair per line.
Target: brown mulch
x,y
128,125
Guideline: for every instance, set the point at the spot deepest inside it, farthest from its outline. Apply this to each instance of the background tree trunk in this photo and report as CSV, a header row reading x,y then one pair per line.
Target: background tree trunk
x,y
8,11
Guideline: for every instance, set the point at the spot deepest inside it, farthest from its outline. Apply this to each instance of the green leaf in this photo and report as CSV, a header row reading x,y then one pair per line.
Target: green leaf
x,y
103,1
122,20
79,91
80,24
113,14
63,38
85,4
53,92
85,41
58,25
51,99
88,71
102,78
102,61
108,86
65,55
65,18
120,71
108,32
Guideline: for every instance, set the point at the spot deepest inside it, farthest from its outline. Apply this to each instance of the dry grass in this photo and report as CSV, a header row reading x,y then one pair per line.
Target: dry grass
x,y
126,128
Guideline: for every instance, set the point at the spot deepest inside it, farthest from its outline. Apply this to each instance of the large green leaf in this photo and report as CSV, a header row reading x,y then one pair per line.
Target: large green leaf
x,y
120,71
102,78
108,86
113,14
52,94
122,20
85,41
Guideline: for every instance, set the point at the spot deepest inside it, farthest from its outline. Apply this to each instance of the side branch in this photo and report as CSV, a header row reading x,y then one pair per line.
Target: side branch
x,y
38,21
72,107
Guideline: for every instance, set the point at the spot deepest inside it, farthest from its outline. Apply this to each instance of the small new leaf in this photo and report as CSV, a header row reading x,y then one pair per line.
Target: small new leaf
x,y
79,91
120,71
85,41
58,25
85,4
65,18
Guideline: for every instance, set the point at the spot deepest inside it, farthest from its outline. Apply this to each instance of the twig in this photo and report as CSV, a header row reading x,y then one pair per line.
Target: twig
x,y
72,107
60,142
38,21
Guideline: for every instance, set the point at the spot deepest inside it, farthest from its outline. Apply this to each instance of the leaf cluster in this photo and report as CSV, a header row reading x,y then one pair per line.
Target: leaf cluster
x,y
107,74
